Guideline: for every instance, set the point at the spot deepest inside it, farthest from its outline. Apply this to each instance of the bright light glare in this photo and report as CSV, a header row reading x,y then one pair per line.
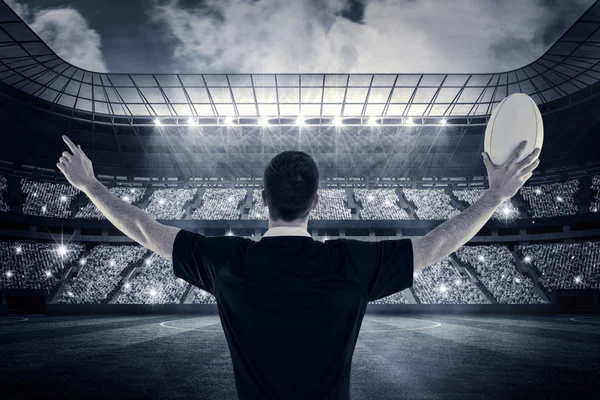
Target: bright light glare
x,y
44,209
63,198
152,292
263,121
82,261
230,199
9,274
481,258
538,191
387,203
127,285
370,197
338,121
373,121
48,274
559,199
517,280
126,198
409,121
443,288
228,121
578,279
229,233
443,121
19,249
300,121
70,293
132,190
457,282
157,122
62,250
192,122
161,202
527,259
112,263
148,262
506,211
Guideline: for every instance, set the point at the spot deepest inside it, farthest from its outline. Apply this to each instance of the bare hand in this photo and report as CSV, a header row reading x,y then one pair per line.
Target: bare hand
x,y
76,167
506,180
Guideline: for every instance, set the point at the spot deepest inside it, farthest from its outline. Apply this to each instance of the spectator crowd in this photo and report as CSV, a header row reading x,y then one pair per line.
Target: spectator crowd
x,y
552,199
433,204
221,204
379,204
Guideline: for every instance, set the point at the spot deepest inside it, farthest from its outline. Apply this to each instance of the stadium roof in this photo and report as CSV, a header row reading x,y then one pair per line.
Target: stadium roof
x,y
29,65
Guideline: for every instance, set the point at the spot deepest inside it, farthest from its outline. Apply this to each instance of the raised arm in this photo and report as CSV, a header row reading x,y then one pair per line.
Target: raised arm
x,y
130,220
504,182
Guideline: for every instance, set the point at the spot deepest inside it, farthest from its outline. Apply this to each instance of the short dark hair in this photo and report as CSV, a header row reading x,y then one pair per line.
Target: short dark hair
x,y
291,180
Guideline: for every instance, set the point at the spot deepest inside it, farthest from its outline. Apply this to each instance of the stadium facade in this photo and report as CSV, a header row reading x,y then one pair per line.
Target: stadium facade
x,y
398,154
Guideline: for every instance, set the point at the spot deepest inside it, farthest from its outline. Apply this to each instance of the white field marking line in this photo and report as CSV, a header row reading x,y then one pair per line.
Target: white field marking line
x,y
403,329
164,325
11,321
589,322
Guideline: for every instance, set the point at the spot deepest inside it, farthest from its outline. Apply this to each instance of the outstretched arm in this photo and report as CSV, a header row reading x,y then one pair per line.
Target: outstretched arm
x,y
130,220
504,181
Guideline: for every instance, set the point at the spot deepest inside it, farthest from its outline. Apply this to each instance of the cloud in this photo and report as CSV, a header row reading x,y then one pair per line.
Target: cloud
x,y
392,35
67,33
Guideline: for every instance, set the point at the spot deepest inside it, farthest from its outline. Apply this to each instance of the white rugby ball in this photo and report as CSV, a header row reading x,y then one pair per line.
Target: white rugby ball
x,y
516,118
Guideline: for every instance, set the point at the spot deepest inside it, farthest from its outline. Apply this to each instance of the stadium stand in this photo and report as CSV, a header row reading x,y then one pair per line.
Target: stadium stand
x,y
495,268
155,284
101,273
433,204
506,211
221,204
3,189
552,200
564,265
199,296
332,205
258,210
396,298
169,203
35,265
47,199
129,195
595,194
441,283
379,204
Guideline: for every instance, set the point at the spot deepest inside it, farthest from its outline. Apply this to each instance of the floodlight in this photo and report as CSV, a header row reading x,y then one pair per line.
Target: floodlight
x,y
595,209
443,288
559,199
325,238
127,285
152,292
82,261
192,122
63,198
70,294
19,249
9,274
373,121
443,121
229,233
527,259
48,274
538,191
148,262
62,250
263,121
481,258
409,121
131,190
337,121
126,198
112,263
35,194
578,279
157,122
506,211
300,121
44,209
228,121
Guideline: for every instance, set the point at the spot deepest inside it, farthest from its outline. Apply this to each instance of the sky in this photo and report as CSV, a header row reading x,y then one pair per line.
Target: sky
x,y
300,36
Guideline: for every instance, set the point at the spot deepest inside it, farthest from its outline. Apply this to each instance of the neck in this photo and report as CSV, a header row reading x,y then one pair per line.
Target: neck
x,y
298,224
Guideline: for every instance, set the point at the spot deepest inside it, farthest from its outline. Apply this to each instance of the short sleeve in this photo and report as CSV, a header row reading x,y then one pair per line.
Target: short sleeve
x,y
384,267
198,258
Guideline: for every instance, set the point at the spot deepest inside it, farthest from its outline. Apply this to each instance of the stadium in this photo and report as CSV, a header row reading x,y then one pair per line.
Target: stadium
x,y
398,155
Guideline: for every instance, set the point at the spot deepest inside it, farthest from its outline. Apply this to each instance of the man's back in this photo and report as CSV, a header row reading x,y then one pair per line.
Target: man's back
x,y
292,307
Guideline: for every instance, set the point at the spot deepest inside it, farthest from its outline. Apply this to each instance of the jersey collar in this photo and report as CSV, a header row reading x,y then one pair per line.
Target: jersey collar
x,y
286,231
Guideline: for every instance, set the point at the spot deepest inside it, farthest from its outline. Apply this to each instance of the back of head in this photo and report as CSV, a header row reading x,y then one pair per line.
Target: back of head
x,y
291,180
